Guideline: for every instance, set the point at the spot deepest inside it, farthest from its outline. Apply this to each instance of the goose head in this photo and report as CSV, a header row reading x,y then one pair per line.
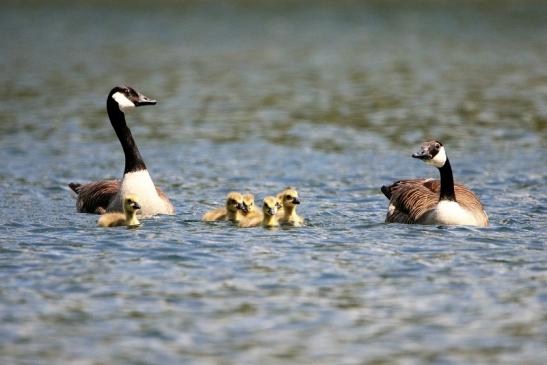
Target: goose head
x,y
432,153
126,98
271,206
248,203
131,204
234,202
289,198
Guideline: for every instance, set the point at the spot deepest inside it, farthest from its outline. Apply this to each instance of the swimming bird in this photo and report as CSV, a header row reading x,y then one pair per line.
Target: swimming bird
x,y
232,211
106,195
250,210
289,201
268,217
127,218
269,211
428,201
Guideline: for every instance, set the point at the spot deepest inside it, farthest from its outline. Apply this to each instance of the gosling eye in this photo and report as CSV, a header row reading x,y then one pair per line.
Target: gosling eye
x,y
437,146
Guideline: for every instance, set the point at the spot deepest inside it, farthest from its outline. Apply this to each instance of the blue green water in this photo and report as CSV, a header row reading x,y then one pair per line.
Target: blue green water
x,y
329,98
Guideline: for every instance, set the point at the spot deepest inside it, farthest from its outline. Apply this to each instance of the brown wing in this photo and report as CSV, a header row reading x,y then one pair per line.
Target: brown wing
x,y
409,200
94,197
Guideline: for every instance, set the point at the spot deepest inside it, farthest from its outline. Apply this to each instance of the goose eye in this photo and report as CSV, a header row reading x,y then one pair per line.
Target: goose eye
x,y
437,146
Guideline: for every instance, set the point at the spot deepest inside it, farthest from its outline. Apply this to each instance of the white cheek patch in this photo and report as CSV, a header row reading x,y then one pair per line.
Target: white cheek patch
x,y
123,102
439,159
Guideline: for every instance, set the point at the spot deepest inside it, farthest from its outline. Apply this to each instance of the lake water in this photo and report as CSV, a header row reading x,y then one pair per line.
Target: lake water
x,y
329,98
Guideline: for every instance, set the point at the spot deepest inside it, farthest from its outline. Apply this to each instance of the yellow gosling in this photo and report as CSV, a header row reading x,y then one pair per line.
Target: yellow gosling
x,y
249,207
269,210
127,218
289,201
232,211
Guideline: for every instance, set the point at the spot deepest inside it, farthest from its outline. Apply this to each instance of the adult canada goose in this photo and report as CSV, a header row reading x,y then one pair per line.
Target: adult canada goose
x,y
268,218
232,211
127,218
106,195
289,201
428,201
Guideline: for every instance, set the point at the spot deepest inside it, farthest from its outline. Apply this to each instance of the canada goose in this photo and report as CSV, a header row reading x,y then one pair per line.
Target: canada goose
x,y
127,218
428,201
269,211
249,208
289,200
106,195
232,211
268,218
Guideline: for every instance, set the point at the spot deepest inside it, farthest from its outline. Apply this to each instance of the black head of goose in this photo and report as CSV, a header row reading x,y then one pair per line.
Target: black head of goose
x,y
428,201
106,195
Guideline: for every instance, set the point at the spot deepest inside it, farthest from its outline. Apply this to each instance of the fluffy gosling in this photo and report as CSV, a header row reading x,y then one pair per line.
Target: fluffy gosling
x,y
232,211
289,200
127,218
268,217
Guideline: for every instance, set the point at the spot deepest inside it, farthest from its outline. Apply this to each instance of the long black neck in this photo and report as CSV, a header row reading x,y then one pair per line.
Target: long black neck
x,y
447,183
133,158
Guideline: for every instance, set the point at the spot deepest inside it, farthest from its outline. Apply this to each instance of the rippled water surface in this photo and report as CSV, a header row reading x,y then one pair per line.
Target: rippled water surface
x,y
329,98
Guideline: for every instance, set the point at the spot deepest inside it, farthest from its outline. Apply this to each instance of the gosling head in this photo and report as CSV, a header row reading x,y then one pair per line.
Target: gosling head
x,y
248,203
271,206
289,198
126,98
234,202
432,153
131,204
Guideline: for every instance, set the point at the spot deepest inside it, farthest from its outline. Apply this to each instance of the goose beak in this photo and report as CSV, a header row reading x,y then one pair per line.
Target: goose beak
x,y
144,100
296,201
423,155
136,205
240,207
244,208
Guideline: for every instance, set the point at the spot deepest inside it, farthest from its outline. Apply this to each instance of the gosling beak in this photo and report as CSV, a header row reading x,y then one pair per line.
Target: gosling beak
x,y
240,207
271,211
136,205
244,208
144,100
296,201
423,155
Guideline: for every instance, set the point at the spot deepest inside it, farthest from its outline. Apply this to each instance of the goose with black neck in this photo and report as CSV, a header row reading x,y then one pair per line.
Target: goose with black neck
x,y
428,201
106,195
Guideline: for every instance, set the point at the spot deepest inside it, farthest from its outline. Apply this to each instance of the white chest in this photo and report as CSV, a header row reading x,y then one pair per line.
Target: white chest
x,y
140,184
451,213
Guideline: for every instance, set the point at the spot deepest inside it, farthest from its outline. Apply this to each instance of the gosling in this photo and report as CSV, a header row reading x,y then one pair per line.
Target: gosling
x,y
127,218
289,200
268,218
232,211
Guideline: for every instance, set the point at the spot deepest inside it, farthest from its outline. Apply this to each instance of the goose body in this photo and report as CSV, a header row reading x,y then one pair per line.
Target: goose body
x,y
127,218
106,195
428,201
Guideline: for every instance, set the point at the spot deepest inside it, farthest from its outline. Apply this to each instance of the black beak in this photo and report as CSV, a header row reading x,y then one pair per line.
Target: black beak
x,y
423,155
136,205
144,100
296,201
240,207
244,208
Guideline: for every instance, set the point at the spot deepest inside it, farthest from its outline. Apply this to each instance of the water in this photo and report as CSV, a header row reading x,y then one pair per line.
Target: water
x,y
254,97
